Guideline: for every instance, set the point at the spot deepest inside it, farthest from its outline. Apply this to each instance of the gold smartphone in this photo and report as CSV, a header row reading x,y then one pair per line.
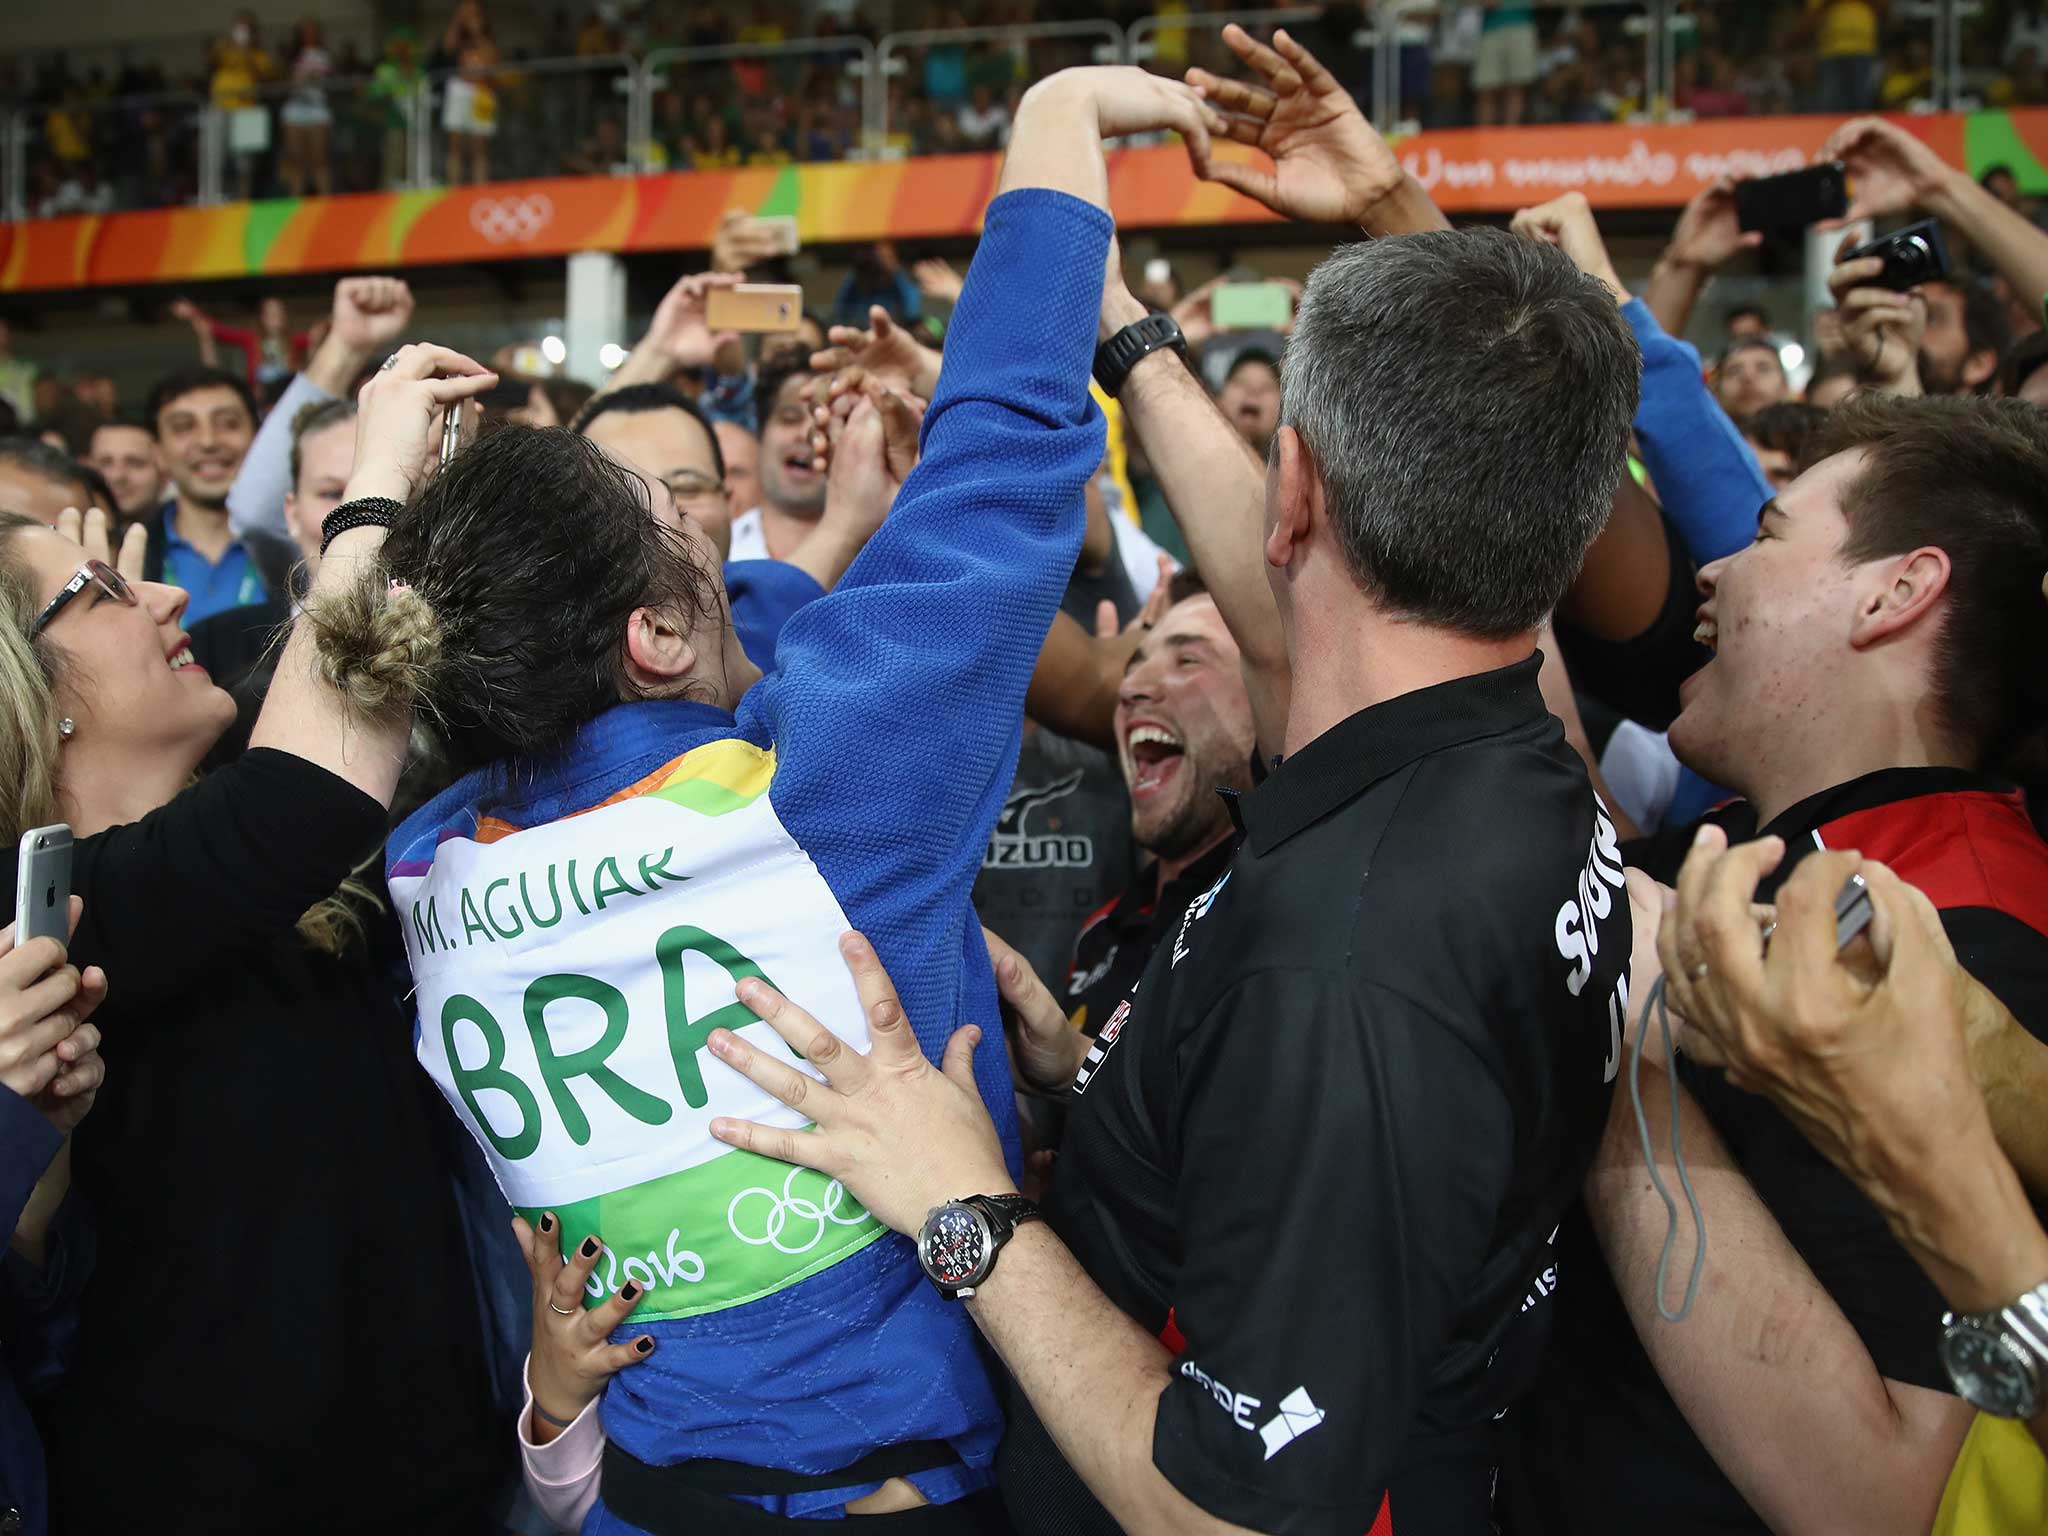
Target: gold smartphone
x,y
755,307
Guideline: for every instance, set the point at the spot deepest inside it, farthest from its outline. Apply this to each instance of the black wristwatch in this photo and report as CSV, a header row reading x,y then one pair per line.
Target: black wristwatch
x,y
1116,357
363,512
959,1241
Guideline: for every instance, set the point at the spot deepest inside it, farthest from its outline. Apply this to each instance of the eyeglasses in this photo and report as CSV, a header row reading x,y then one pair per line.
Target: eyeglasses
x,y
94,573
688,487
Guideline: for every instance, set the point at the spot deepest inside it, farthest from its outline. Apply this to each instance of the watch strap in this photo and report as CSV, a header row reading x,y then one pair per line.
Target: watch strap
x,y
1005,1213
363,512
1116,357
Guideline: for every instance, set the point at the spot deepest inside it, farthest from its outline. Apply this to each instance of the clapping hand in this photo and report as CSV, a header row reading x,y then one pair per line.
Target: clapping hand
x,y
871,447
885,352
571,1362
1329,165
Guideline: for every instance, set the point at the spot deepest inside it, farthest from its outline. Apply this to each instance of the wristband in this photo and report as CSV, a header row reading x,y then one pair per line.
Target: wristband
x,y
1116,357
363,512
558,1423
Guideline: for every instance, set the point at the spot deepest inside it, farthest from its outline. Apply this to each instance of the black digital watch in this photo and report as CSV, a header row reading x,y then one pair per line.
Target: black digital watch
x,y
1116,357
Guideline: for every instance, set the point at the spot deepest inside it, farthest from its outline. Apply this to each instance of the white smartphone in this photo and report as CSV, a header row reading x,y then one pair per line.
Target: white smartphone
x,y
42,885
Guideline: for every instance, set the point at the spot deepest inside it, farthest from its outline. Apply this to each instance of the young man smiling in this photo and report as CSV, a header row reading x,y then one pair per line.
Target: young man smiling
x,y
1876,650
204,420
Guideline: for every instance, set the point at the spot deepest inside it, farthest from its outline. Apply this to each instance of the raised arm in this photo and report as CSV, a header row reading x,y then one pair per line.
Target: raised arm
x,y
1706,239
370,315
1216,488
1329,165
678,337
1704,471
934,630
1892,172
341,698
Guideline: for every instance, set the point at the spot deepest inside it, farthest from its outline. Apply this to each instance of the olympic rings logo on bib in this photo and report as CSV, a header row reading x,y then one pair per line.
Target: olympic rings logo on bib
x,y
788,1206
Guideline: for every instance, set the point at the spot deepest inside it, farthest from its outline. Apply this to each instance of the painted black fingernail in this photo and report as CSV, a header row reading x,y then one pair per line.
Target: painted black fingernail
x,y
630,1291
643,1345
547,1222
589,1248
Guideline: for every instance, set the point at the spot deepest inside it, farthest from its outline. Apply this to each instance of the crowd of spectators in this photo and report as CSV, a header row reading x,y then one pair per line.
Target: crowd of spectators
x,y
1280,775
292,112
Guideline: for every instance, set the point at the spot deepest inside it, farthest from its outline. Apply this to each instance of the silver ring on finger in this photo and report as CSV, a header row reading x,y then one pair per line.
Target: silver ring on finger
x,y
564,1311
388,364
1698,973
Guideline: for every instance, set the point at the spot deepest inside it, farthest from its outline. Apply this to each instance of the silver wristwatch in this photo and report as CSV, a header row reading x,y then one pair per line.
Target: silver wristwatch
x,y
1999,1360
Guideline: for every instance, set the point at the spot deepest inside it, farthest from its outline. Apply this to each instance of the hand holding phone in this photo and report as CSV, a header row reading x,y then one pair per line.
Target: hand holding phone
x,y
49,1052
769,235
1852,913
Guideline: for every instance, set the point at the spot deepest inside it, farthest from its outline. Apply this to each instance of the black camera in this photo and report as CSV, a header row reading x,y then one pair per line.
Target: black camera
x,y
1912,256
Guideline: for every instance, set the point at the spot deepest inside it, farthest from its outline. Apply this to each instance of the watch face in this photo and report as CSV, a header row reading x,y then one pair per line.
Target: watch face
x,y
1987,1372
954,1245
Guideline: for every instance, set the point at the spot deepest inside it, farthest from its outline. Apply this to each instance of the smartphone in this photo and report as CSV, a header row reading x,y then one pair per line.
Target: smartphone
x,y
773,233
1852,910
755,307
1251,306
42,886
451,432
1794,200
1852,913
1914,255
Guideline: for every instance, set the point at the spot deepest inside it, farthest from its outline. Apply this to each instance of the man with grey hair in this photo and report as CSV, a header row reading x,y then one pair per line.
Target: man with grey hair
x,y
1296,1246
1318,1152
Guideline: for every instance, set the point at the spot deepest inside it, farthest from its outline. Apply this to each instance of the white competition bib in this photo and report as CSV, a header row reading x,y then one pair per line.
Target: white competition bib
x,y
569,976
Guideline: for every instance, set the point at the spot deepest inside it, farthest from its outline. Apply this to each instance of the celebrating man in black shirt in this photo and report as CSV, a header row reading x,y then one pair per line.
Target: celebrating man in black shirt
x,y
1315,1158
1183,731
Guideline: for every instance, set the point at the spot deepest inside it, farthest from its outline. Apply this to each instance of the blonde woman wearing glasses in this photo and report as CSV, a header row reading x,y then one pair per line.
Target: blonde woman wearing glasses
x,y
271,1265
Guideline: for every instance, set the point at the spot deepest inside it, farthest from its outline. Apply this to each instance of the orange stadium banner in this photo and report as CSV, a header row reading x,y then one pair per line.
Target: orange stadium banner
x,y
1468,171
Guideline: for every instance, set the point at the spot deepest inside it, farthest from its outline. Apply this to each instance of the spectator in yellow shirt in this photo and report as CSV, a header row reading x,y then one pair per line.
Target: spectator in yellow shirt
x,y
240,65
1845,37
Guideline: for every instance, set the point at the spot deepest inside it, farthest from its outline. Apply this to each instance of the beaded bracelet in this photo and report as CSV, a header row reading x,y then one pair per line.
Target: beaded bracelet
x,y
363,512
